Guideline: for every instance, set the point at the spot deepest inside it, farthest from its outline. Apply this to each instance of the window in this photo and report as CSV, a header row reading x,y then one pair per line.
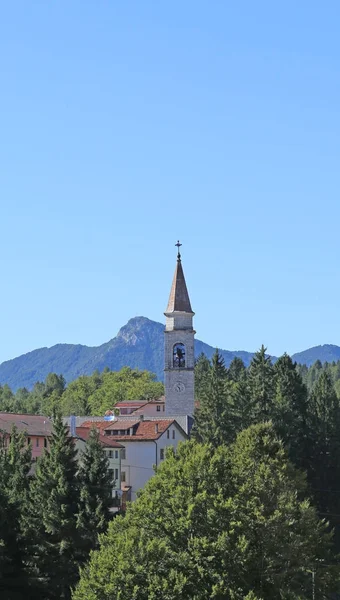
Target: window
x,y
168,434
173,434
123,454
110,454
116,474
158,408
161,454
163,407
28,440
45,442
179,355
37,442
116,454
111,473
122,476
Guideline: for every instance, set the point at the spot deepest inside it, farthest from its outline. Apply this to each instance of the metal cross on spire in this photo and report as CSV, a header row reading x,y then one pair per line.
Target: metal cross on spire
x,y
178,253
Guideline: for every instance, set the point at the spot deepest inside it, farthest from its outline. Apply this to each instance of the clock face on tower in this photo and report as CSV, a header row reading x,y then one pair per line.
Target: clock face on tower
x,y
179,387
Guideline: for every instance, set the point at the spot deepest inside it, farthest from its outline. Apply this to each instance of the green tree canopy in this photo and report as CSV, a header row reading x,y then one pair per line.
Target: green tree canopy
x,y
224,524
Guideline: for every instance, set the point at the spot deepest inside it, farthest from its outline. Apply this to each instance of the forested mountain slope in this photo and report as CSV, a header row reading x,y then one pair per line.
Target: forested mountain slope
x,y
138,344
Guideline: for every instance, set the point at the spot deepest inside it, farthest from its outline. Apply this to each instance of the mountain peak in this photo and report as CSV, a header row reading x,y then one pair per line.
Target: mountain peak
x,y
139,345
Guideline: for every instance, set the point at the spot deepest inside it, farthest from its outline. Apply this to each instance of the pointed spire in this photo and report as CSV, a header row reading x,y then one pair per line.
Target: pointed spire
x,y
179,298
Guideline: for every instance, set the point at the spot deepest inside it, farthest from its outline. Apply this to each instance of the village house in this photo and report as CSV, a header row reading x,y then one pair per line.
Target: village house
x,y
145,443
152,408
37,428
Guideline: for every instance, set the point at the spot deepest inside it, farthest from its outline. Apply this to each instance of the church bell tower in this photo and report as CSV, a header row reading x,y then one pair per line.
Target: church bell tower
x,y
179,347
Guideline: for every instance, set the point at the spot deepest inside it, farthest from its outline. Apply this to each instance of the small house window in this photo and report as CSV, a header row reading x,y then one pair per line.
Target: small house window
x,y
158,408
123,454
45,442
122,476
179,356
168,434
37,442
173,434
161,453
28,440
116,454
110,453
116,474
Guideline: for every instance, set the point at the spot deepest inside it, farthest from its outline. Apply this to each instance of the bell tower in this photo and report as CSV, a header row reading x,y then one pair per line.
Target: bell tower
x,y
179,347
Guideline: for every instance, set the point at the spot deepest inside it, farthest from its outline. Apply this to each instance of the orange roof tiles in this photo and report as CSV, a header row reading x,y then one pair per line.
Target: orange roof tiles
x,y
84,433
146,430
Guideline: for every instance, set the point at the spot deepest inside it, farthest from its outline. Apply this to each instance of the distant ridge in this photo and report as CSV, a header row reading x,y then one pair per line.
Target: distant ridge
x,y
138,344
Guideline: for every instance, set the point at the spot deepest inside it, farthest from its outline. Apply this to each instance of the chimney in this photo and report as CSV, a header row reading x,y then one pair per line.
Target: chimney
x,y
156,427
73,426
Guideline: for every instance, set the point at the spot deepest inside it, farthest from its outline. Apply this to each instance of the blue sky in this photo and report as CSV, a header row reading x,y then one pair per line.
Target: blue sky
x,y
127,125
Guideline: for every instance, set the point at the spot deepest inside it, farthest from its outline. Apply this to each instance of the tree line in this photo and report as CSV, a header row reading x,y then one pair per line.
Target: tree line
x,y
96,393
87,395
50,518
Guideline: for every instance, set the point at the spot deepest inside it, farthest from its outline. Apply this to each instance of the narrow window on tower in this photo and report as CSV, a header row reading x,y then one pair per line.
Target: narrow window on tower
x,y
179,356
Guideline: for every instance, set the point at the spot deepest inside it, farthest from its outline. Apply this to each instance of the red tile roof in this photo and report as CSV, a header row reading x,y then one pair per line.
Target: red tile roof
x,y
130,404
84,433
146,430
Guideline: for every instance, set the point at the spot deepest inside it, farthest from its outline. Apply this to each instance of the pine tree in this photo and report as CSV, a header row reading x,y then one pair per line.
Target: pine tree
x,y
261,384
15,463
243,406
323,454
95,484
289,412
202,369
213,419
237,371
51,518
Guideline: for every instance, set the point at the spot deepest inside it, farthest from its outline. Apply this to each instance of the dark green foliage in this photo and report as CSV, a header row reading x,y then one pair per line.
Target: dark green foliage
x,y
202,370
323,451
213,418
15,462
95,484
224,524
289,412
51,517
261,384
237,371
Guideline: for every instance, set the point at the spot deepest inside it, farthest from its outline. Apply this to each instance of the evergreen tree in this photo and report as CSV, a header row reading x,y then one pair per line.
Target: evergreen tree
x,y
51,517
243,406
213,419
95,484
237,371
289,411
202,369
15,462
261,384
324,450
